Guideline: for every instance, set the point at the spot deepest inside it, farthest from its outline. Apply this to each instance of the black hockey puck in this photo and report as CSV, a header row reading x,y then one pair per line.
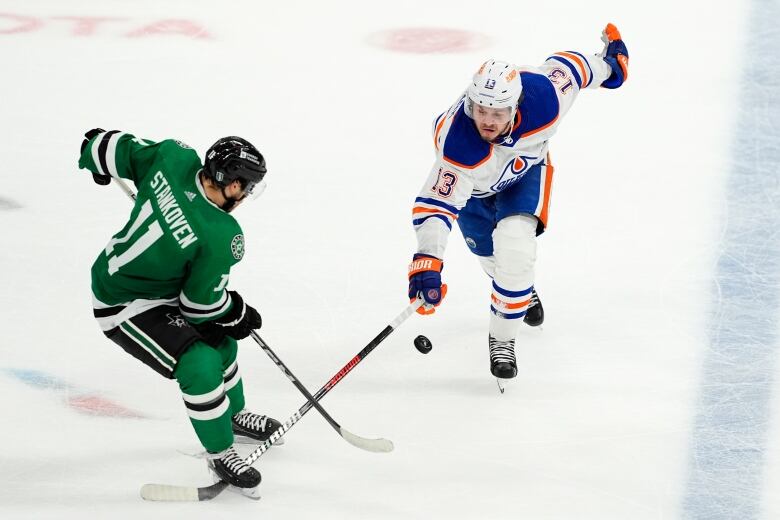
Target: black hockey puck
x,y
423,344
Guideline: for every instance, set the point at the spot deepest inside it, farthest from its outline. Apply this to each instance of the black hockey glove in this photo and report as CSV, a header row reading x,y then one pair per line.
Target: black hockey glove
x,y
103,180
237,323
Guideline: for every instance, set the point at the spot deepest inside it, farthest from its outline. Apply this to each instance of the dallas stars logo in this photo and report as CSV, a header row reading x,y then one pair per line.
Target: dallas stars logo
x,y
237,247
176,320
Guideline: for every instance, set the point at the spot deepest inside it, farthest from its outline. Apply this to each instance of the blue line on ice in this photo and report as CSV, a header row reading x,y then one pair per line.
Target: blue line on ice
x,y
729,437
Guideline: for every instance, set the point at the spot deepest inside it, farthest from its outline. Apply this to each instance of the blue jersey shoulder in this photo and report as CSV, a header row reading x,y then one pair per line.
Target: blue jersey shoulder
x,y
539,107
463,146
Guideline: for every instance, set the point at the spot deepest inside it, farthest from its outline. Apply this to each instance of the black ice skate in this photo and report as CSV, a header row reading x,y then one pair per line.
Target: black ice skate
x,y
231,468
503,364
250,427
534,316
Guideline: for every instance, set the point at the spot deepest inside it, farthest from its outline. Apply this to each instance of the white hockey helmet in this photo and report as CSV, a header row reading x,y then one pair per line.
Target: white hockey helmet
x,y
495,85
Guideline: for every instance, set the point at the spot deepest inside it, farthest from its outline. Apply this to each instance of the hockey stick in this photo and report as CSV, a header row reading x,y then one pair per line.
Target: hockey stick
x,y
374,445
165,492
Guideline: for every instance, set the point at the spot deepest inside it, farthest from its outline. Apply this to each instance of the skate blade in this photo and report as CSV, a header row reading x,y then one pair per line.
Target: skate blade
x,y
243,439
500,383
253,493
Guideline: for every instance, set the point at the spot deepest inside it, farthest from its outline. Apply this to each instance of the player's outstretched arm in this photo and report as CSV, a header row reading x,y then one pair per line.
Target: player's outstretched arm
x,y
116,154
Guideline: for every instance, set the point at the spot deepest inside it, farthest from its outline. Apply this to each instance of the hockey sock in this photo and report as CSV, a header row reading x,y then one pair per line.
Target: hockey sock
x,y
234,386
200,376
507,309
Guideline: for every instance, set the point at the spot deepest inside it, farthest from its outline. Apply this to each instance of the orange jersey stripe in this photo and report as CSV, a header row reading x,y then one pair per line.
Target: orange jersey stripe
x,y
583,69
436,133
547,191
537,130
430,210
459,165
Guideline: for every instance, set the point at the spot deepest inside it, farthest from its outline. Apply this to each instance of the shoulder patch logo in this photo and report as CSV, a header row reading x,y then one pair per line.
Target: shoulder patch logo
x,y
237,247
189,195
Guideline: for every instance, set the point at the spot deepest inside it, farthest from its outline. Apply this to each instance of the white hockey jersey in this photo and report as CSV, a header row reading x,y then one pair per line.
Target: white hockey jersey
x,y
468,166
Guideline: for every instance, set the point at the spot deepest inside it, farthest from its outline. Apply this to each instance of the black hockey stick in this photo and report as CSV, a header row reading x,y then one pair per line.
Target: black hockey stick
x,y
374,445
165,492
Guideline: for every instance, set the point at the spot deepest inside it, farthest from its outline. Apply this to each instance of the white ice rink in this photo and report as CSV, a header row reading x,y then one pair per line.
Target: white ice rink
x,y
650,393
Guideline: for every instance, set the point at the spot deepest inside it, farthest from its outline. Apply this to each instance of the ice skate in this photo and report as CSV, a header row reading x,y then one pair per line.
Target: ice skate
x,y
229,467
503,364
252,428
534,315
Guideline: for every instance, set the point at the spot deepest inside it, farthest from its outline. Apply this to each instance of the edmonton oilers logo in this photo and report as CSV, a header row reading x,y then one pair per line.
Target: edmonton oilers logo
x,y
513,171
518,165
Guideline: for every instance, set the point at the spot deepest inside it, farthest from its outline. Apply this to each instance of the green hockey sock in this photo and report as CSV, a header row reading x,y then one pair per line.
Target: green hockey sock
x,y
234,387
200,375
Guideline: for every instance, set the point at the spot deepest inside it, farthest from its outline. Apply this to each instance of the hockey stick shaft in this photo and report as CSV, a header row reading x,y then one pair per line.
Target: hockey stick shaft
x,y
375,445
167,492
333,381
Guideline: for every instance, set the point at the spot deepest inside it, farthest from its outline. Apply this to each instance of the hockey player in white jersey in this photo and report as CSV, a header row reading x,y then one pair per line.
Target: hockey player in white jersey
x,y
493,177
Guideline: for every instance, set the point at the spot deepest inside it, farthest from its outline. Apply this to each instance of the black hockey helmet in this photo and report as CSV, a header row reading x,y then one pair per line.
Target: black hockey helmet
x,y
233,158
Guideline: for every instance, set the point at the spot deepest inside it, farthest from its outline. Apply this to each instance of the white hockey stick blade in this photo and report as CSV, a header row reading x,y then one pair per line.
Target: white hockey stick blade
x,y
373,445
165,493
168,493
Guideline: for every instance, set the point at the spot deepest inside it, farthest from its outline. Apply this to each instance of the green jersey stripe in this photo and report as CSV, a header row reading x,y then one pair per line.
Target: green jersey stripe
x,y
148,344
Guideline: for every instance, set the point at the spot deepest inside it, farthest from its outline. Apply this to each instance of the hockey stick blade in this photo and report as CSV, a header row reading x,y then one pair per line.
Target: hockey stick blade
x,y
168,493
373,445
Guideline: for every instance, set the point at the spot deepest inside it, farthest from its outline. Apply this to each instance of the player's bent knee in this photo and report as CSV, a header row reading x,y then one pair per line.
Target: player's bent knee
x,y
514,240
200,363
488,264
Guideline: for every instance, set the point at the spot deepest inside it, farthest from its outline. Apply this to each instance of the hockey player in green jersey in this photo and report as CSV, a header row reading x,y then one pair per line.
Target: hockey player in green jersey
x,y
159,287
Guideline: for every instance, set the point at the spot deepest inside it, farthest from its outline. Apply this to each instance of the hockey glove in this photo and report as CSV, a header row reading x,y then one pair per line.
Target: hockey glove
x,y
616,55
425,282
238,323
103,180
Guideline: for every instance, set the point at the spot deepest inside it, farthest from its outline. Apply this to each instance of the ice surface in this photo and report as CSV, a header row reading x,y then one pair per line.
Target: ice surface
x,y
611,402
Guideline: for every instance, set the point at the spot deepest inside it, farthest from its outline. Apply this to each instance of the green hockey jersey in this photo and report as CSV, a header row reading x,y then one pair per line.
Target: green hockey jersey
x,y
177,245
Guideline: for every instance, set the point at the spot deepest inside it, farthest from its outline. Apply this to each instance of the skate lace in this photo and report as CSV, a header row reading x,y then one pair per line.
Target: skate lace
x,y
534,299
253,421
233,462
502,351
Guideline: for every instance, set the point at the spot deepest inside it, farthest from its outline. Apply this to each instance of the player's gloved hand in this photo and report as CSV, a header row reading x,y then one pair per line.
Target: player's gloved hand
x,y
425,282
616,55
238,323
103,180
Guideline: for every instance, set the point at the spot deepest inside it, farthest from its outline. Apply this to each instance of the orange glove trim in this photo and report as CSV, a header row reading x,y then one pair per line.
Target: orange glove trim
x,y
425,312
424,264
623,62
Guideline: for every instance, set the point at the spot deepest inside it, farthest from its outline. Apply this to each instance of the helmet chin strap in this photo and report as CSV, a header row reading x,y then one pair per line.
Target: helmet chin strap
x,y
508,131
230,202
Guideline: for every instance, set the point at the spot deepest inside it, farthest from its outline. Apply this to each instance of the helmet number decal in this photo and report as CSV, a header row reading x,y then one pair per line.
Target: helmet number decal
x,y
445,183
490,83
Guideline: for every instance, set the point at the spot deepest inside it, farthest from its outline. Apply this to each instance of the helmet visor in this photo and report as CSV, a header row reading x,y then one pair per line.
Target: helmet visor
x,y
252,190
